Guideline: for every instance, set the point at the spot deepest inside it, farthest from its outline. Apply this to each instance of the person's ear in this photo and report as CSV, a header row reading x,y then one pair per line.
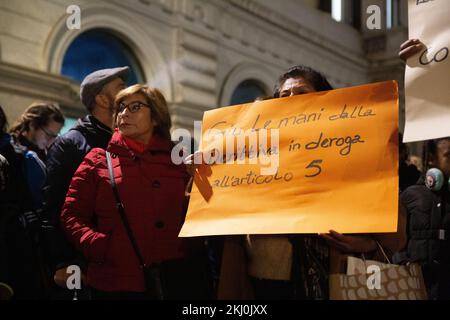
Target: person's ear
x,y
31,128
102,101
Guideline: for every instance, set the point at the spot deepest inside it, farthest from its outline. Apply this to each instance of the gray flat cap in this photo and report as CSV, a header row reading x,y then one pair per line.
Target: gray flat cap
x,y
94,83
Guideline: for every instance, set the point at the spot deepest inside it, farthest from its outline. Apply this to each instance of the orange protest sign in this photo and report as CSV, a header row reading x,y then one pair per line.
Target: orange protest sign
x,y
329,161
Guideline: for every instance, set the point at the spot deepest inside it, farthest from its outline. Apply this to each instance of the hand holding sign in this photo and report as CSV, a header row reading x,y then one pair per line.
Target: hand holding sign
x,y
349,244
409,48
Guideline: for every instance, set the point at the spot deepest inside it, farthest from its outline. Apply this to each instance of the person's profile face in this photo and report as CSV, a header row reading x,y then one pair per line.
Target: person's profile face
x,y
110,90
295,86
442,159
43,137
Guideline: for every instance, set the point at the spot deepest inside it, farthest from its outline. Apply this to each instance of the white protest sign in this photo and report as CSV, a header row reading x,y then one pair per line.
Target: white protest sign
x,y
427,78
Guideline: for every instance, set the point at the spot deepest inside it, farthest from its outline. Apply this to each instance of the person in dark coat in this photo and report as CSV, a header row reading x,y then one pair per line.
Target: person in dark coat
x,y
152,190
428,209
21,201
97,93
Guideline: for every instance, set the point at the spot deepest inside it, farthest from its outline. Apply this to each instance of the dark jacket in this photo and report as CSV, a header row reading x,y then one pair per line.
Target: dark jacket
x,y
16,191
63,159
428,213
407,175
152,190
21,265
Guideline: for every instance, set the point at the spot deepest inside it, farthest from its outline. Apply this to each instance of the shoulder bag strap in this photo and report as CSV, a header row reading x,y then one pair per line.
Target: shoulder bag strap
x,y
121,210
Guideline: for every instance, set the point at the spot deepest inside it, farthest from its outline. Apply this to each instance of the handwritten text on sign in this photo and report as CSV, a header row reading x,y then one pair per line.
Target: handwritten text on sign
x,y
427,74
337,157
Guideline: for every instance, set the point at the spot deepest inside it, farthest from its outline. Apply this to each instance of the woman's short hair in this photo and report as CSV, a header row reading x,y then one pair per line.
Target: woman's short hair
x,y
38,115
158,107
313,77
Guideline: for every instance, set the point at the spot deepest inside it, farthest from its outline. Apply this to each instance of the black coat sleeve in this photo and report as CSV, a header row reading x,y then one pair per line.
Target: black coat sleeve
x,y
63,159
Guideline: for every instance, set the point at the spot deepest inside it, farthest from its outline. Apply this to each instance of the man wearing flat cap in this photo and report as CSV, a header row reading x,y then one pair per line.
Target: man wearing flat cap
x,y
97,93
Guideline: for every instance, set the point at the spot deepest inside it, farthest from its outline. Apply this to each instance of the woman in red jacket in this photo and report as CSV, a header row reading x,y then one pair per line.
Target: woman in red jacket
x,y
152,191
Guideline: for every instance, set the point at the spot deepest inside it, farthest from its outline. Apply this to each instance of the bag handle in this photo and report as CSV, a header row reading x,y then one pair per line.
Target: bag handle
x,y
383,252
121,210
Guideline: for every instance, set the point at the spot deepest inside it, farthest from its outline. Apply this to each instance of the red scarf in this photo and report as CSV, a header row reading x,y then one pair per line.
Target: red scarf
x,y
136,146
155,143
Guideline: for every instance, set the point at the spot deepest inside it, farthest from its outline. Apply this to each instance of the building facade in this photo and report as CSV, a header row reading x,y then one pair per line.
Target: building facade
x,y
202,54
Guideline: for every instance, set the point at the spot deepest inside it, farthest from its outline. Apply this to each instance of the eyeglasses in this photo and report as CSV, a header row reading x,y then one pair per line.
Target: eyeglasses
x,y
49,134
132,107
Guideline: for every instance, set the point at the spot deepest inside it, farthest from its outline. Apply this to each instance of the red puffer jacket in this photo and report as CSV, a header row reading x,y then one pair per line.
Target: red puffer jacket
x,y
152,191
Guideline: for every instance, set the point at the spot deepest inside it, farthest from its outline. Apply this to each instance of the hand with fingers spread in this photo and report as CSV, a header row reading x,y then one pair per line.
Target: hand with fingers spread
x,y
349,243
409,48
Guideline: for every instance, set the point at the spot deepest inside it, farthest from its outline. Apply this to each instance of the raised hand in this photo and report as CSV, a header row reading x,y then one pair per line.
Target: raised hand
x,y
409,48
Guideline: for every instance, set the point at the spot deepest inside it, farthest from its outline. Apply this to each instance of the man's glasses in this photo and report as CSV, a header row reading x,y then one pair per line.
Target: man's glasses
x,y
132,107
49,134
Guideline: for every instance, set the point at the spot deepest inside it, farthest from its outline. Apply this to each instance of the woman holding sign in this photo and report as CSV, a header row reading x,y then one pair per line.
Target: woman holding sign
x,y
294,266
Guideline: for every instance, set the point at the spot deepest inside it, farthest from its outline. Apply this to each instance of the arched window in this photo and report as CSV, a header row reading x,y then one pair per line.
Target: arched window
x,y
247,91
99,49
